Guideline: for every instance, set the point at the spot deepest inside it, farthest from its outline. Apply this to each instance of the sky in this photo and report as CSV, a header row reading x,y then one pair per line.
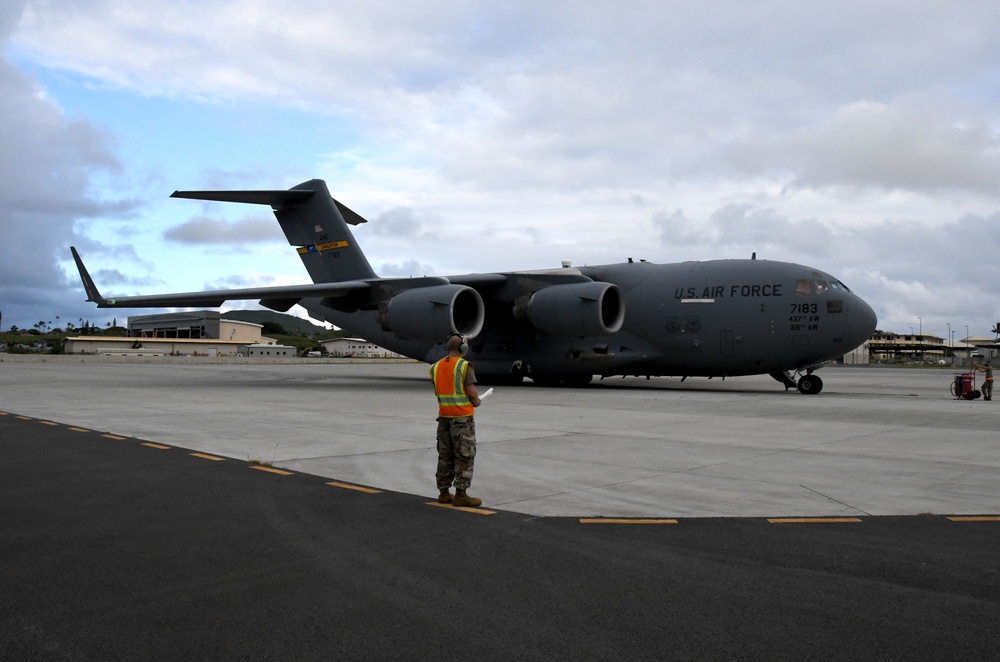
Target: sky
x,y
860,138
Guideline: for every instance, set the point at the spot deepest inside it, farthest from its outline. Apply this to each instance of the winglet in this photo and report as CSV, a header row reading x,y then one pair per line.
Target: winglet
x,y
88,282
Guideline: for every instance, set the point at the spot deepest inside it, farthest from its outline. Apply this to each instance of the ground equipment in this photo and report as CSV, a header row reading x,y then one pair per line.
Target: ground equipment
x,y
963,386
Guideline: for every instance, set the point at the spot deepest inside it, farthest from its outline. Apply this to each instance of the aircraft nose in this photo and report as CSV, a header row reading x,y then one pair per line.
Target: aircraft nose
x,y
862,321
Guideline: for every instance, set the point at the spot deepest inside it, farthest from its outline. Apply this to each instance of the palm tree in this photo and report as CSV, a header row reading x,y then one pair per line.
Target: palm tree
x,y
995,331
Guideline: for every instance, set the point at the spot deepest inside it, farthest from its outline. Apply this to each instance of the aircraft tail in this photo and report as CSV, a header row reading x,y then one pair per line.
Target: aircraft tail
x,y
313,222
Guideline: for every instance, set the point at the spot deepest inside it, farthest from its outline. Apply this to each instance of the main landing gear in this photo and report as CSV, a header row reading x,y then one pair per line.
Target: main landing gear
x,y
808,384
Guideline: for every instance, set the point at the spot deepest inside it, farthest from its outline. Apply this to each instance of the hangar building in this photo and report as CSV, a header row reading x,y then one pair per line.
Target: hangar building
x,y
193,325
191,333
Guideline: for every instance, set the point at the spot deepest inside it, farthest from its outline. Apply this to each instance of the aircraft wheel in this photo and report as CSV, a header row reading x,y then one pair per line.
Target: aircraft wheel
x,y
810,385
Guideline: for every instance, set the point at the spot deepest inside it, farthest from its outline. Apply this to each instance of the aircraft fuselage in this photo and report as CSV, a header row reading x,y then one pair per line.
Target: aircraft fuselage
x,y
712,318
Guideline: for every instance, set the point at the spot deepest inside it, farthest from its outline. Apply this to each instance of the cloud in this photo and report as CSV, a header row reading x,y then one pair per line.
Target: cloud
x,y
213,231
408,269
402,223
872,145
860,138
49,163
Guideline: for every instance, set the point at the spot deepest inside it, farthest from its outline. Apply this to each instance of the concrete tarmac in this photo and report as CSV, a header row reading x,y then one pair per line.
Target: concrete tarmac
x,y
876,441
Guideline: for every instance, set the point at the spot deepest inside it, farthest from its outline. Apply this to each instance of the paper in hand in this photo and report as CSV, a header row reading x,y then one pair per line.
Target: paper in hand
x,y
488,393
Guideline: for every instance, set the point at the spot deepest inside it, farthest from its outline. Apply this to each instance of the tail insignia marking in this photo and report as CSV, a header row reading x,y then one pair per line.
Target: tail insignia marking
x,y
319,248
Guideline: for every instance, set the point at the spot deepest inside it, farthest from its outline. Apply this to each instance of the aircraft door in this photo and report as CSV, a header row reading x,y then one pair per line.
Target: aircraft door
x,y
726,344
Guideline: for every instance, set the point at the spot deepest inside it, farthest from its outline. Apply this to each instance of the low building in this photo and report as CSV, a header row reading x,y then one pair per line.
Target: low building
x,y
927,348
124,346
270,351
193,325
860,355
983,348
357,347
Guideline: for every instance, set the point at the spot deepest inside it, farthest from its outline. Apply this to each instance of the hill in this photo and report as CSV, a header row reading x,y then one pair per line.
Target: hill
x,y
295,326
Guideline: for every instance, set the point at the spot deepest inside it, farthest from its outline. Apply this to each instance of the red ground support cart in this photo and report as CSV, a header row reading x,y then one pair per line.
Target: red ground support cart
x,y
963,387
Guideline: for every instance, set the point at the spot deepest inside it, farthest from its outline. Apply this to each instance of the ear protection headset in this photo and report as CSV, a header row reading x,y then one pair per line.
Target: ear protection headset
x,y
464,346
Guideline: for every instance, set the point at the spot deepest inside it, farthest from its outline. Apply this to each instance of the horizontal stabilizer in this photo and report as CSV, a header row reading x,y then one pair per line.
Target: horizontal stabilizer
x,y
277,199
281,199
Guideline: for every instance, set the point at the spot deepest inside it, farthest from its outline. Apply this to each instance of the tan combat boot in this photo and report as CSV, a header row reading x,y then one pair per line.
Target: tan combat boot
x,y
444,496
462,499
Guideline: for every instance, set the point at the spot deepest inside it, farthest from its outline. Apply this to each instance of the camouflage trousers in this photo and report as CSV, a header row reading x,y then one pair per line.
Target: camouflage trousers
x,y
456,444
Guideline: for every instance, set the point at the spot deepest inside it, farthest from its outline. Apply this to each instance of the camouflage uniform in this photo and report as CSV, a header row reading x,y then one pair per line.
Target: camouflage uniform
x,y
456,445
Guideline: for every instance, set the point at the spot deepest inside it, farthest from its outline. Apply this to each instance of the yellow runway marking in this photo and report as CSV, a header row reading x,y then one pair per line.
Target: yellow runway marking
x,y
150,444
478,511
356,488
608,520
208,457
25,418
79,429
975,518
48,423
3,413
271,470
813,520
114,436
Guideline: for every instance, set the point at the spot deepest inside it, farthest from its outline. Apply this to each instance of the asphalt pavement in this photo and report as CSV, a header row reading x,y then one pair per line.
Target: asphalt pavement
x,y
120,547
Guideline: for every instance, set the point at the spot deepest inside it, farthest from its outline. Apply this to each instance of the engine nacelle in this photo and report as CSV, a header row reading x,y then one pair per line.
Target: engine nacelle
x,y
431,313
576,309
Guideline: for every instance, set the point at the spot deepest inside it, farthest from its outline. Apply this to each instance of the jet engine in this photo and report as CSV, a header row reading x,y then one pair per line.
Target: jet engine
x,y
431,313
575,309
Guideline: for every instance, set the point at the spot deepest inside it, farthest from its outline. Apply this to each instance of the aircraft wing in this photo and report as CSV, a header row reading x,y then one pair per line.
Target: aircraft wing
x,y
546,276
277,298
476,280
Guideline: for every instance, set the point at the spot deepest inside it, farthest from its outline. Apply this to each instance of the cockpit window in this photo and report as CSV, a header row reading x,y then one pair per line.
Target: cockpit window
x,y
816,286
837,285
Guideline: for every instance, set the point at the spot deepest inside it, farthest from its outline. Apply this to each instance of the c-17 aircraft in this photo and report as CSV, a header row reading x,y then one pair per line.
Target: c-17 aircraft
x,y
716,318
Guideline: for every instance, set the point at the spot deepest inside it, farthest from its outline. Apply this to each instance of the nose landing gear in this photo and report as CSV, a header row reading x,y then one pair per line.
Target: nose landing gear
x,y
808,384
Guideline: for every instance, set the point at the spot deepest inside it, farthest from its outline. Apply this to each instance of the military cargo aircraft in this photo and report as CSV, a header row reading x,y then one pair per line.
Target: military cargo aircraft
x,y
559,326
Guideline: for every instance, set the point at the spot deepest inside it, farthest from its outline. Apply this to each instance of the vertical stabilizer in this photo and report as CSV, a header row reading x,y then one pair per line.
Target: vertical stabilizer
x,y
313,222
316,226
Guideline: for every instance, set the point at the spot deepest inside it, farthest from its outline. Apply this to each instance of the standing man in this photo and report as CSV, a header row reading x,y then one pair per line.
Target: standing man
x,y
455,387
988,381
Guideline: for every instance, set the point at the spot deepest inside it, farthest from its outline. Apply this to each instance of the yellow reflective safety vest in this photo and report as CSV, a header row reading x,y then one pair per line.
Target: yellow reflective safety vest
x,y
449,384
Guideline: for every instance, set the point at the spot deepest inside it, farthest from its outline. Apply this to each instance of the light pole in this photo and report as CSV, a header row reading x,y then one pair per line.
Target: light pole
x,y
920,325
950,344
968,354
